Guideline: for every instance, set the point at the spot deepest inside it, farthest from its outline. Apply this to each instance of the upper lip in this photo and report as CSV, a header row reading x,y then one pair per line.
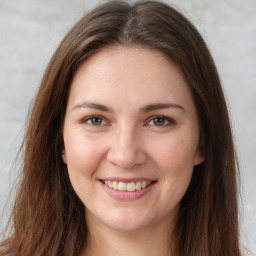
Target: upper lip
x,y
126,180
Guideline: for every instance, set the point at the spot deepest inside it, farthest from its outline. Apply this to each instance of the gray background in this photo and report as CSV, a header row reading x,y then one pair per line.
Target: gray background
x,y
30,30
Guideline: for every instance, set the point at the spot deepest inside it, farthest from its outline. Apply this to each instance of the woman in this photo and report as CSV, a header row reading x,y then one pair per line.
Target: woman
x,y
128,148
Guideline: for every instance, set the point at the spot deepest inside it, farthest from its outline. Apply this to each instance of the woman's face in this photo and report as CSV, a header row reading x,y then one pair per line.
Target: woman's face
x,y
131,138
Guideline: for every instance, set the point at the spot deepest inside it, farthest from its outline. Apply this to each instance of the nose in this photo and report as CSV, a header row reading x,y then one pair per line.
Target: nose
x,y
126,150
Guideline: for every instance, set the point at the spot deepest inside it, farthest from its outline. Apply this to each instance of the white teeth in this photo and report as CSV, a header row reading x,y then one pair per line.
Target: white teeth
x,y
123,186
110,184
115,185
138,185
130,186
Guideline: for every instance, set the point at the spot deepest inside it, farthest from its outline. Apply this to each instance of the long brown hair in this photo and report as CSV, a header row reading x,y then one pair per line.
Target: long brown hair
x,y
48,217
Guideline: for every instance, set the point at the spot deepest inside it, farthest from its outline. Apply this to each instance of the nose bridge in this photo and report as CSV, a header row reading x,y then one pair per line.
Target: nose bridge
x,y
126,138
125,150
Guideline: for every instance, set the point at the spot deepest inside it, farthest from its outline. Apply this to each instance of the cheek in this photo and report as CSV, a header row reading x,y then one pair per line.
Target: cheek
x,y
175,162
83,158
83,154
176,153
174,158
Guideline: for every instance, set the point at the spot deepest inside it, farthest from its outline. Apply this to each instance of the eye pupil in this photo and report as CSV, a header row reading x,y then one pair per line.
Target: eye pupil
x,y
96,121
158,121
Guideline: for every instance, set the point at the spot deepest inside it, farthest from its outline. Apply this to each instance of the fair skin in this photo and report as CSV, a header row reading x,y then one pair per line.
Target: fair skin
x,y
131,141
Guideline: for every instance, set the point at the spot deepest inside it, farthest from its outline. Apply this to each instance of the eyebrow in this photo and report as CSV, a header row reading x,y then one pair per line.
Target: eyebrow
x,y
147,108
158,106
93,106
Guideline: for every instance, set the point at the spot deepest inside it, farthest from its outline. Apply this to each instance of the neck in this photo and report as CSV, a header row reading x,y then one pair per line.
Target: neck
x,y
151,241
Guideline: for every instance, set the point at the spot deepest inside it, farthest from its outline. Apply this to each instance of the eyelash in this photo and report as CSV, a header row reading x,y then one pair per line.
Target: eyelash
x,y
167,121
90,118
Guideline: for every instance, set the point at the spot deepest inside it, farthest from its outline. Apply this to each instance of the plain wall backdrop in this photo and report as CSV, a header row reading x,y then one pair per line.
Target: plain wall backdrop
x,y
30,31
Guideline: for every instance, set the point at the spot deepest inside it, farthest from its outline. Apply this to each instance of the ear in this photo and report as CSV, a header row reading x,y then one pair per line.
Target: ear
x,y
199,155
63,154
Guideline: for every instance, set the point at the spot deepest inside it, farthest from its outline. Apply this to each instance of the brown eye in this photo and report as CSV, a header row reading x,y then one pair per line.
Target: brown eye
x,y
95,121
159,121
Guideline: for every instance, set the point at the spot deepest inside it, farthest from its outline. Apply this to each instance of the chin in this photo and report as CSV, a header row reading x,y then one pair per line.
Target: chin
x,y
125,226
127,222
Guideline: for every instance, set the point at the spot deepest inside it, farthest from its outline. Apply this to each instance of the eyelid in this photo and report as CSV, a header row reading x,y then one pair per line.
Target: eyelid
x,y
86,119
170,121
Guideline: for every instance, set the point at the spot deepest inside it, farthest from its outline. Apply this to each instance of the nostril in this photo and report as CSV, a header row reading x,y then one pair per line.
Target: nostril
x,y
126,158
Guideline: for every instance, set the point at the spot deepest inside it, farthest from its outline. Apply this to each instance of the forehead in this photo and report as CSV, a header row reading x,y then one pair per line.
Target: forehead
x,y
128,73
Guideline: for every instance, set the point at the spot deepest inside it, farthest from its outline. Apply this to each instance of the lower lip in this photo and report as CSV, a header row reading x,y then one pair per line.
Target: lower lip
x,y
127,195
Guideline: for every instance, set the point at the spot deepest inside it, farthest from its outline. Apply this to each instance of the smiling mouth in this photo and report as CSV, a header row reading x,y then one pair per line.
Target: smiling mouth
x,y
127,186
